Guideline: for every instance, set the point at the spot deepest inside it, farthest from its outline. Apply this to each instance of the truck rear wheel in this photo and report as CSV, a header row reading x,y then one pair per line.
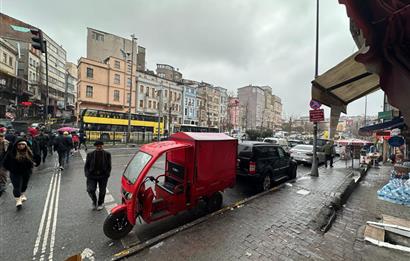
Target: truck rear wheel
x,y
116,225
214,202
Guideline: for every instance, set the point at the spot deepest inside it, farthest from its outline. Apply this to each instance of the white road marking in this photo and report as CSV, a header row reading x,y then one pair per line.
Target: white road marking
x,y
109,198
87,254
40,228
50,213
53,233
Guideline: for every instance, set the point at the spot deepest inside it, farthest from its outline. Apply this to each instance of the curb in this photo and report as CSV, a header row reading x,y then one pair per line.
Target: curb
x,y
134,249
327,214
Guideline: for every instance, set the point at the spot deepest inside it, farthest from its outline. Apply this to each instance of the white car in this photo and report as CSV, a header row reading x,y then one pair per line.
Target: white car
x,y
279,141
304,154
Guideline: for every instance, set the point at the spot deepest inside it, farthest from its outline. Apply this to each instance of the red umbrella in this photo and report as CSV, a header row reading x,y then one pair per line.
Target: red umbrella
x,y
67,129
33,131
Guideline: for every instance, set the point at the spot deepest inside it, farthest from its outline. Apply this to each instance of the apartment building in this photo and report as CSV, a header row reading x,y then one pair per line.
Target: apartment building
x,y
233,114
105,85
168,72
209,105
8,78
277,112
190,104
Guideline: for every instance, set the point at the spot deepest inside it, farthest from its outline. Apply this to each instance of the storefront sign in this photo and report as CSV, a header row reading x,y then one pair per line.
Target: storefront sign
x,y
396,141
385,115
395,132
317,115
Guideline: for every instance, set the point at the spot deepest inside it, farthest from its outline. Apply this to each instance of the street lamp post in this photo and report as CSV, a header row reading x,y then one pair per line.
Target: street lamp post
x,y
129,102
315,171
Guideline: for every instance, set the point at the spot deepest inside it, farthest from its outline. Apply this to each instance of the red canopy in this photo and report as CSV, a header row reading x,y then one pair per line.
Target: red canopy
x,y
384,27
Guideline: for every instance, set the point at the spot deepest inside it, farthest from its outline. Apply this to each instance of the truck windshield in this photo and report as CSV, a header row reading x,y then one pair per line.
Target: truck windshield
x,y
136,165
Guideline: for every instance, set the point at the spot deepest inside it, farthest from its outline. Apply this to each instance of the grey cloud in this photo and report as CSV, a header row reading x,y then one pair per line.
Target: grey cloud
x,y
228,43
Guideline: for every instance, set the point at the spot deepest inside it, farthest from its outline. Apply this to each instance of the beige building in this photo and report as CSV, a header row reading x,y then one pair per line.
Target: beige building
x,y
259,108
209,97
101,45
105,85
157,95
8,74
8,58
277,112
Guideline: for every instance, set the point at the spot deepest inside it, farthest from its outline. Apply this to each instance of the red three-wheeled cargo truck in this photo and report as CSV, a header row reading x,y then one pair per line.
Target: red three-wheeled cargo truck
x,y
198,166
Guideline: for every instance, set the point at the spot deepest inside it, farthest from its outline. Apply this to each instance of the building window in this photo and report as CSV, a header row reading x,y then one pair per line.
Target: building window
x,y
116,95
129,82
89,91
117,78
155,105
4,58
129,68
149,104
166,93
142,88
153,92
141,103
11,61
186,112
117,65
147,91
97,36
90,72
128,98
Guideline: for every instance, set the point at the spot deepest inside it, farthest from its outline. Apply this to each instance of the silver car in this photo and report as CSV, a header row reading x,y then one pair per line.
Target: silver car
x,y
304,154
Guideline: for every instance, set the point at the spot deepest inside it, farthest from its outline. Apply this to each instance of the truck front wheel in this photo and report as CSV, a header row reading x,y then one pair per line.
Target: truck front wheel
x,y
116,225
214,202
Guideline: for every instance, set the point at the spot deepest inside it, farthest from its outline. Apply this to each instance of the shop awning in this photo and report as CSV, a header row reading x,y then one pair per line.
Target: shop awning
x,y
384,28
344,83
387,125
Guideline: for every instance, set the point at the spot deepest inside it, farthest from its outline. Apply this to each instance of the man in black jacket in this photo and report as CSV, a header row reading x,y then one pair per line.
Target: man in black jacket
x,y
97,170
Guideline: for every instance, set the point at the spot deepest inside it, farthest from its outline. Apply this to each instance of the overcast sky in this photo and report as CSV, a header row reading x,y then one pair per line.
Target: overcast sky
x,y
229,43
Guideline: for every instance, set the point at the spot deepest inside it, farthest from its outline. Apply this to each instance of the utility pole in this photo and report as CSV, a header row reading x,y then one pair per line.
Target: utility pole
x,y
129,102
159,112
315,171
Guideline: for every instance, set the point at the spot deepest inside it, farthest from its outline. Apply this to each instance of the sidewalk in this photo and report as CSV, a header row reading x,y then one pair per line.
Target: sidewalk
x,y
273,227
347,231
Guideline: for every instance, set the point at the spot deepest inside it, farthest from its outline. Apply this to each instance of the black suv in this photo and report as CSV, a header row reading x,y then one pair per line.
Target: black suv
x,y
265,163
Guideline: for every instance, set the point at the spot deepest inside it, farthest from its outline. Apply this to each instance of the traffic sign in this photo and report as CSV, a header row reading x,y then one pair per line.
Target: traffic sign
x,y
315,104
317,115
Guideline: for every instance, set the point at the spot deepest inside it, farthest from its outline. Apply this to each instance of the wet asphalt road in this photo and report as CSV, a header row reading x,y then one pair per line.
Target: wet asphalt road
x,y
57,220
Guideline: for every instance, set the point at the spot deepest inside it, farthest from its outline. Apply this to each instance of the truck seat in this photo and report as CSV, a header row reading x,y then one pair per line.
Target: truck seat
x,y
174,177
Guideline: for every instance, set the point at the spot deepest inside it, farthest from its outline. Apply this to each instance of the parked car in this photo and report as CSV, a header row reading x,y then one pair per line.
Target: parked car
x,y
265,163
278,141
304,154
293,143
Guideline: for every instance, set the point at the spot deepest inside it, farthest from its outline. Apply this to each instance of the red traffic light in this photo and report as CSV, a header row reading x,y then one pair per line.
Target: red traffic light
x,y
26,103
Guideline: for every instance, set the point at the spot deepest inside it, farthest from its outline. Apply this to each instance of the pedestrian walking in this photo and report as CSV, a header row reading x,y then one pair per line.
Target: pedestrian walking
x,y
329,151
42,140
76,140
63,146
34,146
4,144
83,140
97,170
10,136
51,137
19,162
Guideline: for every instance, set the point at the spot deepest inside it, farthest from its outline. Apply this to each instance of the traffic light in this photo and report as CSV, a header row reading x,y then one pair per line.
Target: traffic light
x,y
38,41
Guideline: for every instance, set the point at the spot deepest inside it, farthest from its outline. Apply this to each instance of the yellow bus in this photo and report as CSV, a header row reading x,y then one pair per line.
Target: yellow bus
x,y
113,126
